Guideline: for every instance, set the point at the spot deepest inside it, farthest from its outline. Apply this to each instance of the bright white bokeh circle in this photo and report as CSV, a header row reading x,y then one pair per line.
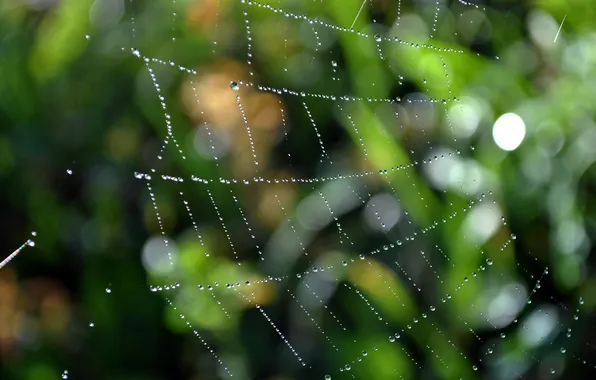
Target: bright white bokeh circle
x,y
509,131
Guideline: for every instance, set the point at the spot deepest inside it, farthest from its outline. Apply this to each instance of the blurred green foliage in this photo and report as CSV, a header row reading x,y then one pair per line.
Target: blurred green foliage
x,y
73,97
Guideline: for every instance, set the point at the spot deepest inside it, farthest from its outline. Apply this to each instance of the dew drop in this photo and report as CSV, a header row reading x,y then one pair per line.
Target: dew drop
x,y
489,261
91,324
563,350
327,377
69,171
234,86
108,290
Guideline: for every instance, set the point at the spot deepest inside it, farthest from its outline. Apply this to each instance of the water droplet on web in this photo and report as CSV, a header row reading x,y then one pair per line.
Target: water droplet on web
x,y
489,261
327,377
392,338
33,233
234,86
65,374
364,353
69,171
378,38
513,236
552,371
334,63
30,243
581,301
108,290
502,335
91,324
563,350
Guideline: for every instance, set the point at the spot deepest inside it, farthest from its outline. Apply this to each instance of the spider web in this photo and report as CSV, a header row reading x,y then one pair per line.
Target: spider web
x,y
437,294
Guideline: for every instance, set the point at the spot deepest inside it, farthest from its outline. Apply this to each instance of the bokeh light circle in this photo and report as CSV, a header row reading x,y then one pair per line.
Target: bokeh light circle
x,y
509,131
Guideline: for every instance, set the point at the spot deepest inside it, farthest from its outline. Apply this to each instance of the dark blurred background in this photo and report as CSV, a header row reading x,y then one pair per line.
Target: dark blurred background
x,y
499,111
